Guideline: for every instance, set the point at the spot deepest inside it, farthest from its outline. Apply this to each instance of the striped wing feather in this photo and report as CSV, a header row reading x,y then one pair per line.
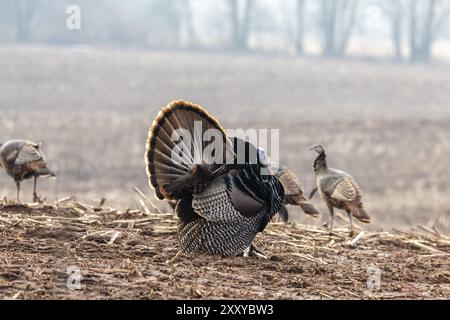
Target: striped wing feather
x,y
29,154
252,193
344,190
340,186
246,194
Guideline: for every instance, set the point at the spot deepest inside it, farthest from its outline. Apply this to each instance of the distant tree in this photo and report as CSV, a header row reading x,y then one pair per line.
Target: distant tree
x,y
164,23
426,18
25,12
188,22
422,30
240,17
395,11
171,23
300,23
6,19
337,20
420,33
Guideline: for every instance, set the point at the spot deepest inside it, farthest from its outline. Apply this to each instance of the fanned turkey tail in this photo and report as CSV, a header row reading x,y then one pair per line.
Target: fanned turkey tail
x,y
183,154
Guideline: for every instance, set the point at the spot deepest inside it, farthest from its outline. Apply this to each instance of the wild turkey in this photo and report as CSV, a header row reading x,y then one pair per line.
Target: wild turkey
x,y
222,202
23,160
338,189
293,192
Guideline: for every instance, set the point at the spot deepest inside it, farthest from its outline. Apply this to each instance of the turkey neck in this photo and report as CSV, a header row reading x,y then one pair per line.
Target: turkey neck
x,y
320,164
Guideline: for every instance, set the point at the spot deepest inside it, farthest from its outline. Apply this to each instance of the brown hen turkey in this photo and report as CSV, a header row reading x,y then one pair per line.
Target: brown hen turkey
x,y
338,189
294,193
23,159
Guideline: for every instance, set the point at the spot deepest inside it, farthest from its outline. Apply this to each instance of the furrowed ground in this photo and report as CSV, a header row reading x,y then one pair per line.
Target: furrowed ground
x,y
123,254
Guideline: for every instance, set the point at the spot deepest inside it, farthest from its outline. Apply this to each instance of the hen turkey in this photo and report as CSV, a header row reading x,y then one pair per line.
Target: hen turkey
x,y
338,189
224,196
294,193
23,160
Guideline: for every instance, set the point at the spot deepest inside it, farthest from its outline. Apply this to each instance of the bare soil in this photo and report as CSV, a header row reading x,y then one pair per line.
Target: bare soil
x,y
123,254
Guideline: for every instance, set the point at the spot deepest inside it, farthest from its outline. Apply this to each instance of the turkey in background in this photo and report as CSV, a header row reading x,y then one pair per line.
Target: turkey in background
x,y
23,160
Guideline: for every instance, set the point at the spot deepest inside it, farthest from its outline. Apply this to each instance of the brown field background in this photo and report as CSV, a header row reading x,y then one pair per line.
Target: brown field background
x,y
386,124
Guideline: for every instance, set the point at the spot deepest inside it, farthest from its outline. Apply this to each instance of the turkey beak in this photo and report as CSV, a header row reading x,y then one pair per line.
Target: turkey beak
x,y
314,148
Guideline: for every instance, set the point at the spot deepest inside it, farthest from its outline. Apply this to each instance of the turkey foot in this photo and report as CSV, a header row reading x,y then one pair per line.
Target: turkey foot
x,y
252,249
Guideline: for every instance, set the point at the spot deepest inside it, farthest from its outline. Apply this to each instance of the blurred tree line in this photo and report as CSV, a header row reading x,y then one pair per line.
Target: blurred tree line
x,y
412,26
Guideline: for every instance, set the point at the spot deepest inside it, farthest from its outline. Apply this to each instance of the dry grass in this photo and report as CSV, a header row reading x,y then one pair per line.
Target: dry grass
x,y
124,254
385,124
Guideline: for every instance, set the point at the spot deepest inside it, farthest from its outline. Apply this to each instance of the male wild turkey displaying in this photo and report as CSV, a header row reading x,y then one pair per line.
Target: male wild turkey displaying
x,y
22,160
338,189
293,192
221,204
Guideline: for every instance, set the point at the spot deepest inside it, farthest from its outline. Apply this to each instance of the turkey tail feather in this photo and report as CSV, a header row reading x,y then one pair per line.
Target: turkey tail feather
x,y
361,215
45,172
176,145
309,209
283,213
